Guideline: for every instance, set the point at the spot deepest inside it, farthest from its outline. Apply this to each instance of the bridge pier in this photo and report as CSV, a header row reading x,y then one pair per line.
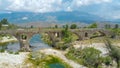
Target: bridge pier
x,y
24,46
24,42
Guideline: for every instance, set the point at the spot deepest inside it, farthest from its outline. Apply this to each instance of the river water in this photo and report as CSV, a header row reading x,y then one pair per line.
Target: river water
x,y
35,42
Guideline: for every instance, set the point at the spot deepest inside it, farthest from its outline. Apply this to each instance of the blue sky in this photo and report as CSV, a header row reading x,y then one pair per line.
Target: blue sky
x,y
109,9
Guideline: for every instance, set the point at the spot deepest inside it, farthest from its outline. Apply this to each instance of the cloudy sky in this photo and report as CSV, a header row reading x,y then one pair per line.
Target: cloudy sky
x,y
102,8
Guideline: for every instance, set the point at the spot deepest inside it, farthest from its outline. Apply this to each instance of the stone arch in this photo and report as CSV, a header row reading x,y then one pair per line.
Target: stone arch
x,y
102,33
97,33
31,37
79,35
23,38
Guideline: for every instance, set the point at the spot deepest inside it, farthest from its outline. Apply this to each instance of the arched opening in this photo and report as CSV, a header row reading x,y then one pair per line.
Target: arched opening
x,y
24,37
101,33
77,36
97,34
86,34
36,43
9,43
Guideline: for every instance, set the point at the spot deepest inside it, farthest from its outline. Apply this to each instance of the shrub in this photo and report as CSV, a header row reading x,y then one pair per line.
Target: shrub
x,y
73,26
89,57
16,53
94,25
114,52
2,50
107,60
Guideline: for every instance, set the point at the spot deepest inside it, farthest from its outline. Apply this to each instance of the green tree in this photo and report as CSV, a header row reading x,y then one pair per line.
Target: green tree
x,y
56,26
116,26
107,26
66,34
73,26
31,26
116,31
4,21
0,26
94,25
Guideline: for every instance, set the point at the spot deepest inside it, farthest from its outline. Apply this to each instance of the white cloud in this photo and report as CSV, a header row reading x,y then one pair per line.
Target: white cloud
x,y
24,18
68,9
116,17
47,5
35,5
75,4
79,3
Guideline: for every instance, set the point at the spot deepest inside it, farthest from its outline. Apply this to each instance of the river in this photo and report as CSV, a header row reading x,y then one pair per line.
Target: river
x,y
35,42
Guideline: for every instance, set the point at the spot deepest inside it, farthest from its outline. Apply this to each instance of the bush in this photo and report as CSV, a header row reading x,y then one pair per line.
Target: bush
x,y
107,60
62,46
89,57
16,53
94,25
2,50
67,38
11,52
73,26
114,52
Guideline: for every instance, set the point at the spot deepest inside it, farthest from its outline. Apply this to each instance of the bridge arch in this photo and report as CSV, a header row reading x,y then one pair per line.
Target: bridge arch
x,y
97,33
49,35
79,35
36,42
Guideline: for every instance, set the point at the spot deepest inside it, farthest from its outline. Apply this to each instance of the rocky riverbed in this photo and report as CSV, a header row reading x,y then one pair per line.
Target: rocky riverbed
x,y
12,60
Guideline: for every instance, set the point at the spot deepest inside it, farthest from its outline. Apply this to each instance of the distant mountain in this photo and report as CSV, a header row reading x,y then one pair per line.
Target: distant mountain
x,y
116,20
54,17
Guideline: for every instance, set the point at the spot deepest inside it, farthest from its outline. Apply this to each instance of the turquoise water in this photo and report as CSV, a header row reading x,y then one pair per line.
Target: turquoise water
x,y
36,44
56,65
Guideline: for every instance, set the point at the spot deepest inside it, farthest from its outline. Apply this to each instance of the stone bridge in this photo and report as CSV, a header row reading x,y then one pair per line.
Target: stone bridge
x,y
24,35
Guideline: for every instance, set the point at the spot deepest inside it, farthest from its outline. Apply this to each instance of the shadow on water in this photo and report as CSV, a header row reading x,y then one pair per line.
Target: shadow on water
x,y
35,43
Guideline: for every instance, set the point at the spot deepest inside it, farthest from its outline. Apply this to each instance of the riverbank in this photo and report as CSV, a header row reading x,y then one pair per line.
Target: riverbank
x,y
6,39
12,60
16,61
